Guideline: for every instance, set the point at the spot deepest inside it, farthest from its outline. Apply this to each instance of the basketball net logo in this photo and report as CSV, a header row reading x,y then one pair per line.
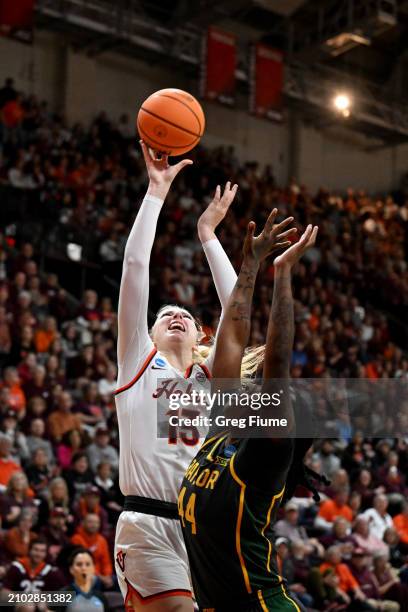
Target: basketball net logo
x,y
120,559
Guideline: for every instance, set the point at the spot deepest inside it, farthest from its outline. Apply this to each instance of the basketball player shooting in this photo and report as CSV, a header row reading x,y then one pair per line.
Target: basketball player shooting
x,y
150,557
228,525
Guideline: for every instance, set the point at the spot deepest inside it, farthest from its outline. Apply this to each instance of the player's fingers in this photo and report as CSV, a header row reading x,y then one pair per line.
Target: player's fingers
x,y
313,236
229,195
251,229
182,164
217,194
270,221
282,245
146,153
290,232
280,226
304,239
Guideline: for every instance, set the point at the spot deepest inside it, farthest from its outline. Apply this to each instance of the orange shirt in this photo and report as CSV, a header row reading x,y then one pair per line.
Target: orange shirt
x,y
16,397
401,526
15,544
61,422
329,510
347,582
7,469
12,114
98,546
43,339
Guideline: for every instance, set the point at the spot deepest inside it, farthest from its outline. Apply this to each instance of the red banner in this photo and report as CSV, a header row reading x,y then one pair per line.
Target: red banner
x,y
17,19
266,82
218,82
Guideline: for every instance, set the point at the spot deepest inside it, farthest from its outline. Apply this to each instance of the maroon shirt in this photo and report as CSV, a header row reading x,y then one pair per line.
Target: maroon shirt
x,y
20,577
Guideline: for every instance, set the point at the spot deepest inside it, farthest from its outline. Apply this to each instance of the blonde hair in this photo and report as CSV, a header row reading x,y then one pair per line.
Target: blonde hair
x,y
253,358
58,480
13,478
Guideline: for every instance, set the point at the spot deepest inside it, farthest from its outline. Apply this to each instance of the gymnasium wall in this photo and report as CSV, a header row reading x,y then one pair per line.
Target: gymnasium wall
x,y
82,85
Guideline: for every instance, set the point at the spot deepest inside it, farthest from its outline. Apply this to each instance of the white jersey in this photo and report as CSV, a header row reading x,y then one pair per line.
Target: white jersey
x,y
153,466
150,466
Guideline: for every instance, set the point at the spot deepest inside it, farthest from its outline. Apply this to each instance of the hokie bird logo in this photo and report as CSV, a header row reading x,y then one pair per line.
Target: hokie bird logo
x,y
120,558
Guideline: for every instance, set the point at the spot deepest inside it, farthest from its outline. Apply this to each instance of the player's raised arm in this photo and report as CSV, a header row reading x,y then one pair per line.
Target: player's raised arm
x,y
280,334
223,273
281,329
233,335
133,336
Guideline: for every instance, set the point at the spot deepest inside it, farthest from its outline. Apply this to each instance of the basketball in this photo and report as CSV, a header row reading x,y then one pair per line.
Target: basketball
x,y
171,121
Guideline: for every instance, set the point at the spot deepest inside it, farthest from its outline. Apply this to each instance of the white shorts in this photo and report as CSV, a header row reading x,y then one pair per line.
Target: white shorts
x,y
150,557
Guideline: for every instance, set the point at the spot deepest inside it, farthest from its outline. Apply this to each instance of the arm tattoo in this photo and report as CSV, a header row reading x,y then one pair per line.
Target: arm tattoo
x,y
280,334
237,318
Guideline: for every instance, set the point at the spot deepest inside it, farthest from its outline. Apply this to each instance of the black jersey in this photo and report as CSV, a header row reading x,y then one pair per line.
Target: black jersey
x,y
228,502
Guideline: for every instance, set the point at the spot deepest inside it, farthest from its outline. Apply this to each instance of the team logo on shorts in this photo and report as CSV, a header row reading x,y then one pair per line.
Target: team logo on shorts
x,y
200,377
120,559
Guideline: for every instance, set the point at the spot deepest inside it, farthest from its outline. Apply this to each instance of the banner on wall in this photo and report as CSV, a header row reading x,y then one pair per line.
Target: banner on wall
x,y
266,98
219,63
17,19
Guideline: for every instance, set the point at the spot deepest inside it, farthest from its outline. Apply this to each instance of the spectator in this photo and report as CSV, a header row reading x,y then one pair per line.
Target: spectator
x,y
18,440
37,385
39,472
329,461
339,536
55,532
359,567
347,585
32,573
332,508
18,496
57,497
111,497
364,486
364,539
90,503
78,476
45,335
36,440
18,539
84,584
107,385
16,397
62,420
90,409
289,528
7,465
396,548
389,585
100,450
72,442
378,518
401,525
88,536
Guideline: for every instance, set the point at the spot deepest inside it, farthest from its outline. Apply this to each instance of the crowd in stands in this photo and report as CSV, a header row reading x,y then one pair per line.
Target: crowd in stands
x,y
59,490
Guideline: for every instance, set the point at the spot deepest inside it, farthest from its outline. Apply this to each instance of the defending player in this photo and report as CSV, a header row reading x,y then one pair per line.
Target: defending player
x,y
233,488
150,557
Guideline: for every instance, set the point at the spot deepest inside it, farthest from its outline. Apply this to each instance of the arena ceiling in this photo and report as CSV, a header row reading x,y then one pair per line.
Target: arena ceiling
x,y
359,42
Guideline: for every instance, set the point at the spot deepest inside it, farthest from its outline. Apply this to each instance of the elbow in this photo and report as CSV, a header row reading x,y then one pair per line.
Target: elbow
x,y
135,262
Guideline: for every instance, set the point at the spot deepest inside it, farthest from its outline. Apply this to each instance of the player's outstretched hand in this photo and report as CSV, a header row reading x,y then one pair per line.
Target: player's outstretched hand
x,y
292,255
271,238
161,174
216,211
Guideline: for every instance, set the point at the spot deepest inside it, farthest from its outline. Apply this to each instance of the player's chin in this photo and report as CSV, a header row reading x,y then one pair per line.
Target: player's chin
x,y
176,333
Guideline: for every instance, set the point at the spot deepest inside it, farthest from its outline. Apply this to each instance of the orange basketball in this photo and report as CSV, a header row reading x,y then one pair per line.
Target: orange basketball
x,y
171,121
